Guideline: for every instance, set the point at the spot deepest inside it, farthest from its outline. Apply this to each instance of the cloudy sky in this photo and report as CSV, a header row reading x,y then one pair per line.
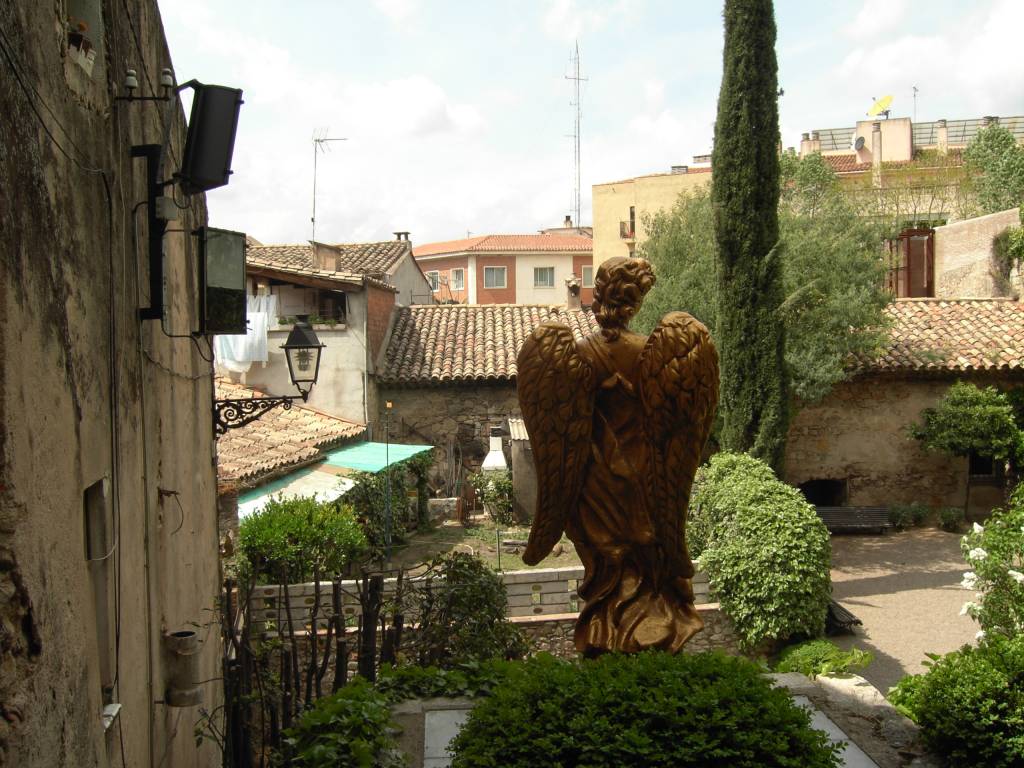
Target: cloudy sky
x,y
457,112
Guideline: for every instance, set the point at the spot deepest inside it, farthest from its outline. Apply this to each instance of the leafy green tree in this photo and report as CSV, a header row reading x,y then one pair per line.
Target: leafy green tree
x,y
745,195
832,274
997,161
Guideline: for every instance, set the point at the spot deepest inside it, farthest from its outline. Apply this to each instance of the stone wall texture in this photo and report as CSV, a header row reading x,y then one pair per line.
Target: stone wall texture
x,y
858,433
963,257
105,422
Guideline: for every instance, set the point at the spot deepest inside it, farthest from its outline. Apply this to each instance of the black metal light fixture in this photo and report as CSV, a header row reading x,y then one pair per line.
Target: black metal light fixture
x,y
302,351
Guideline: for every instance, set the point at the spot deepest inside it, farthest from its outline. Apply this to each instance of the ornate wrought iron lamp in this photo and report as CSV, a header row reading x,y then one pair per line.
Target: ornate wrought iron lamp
x,y
302,350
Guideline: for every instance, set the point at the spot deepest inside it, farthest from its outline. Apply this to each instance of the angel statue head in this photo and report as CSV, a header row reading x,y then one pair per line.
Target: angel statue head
x,y
619,291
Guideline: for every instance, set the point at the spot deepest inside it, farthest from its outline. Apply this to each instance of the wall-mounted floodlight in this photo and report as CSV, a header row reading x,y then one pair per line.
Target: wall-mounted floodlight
x,y
222,301
210,142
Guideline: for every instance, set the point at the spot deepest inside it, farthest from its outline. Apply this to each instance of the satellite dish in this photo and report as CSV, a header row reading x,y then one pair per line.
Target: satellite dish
x,y
859,143
880,107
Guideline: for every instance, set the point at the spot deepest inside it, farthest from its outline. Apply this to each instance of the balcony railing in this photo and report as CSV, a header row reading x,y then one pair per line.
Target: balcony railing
x,y
627,230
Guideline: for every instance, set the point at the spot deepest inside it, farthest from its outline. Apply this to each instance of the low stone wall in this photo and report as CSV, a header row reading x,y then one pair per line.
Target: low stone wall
x,y
554,633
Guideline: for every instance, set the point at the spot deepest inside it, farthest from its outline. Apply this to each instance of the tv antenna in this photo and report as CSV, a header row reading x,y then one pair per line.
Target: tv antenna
x,y
574,61
914,87
321,143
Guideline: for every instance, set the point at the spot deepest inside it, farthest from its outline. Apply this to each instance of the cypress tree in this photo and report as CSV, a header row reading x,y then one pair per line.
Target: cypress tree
x,y
745,194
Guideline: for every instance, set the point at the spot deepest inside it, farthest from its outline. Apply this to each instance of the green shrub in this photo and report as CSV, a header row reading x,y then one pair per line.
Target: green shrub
x,y
768,553
294,540
728,482
461,607
951,519
368,498
821,657
903,516
995,553
970,704
494,489
648,709
470,679
350,728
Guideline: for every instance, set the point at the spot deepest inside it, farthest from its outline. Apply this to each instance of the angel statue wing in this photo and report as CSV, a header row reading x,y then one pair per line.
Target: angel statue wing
x,y
678,382
556,395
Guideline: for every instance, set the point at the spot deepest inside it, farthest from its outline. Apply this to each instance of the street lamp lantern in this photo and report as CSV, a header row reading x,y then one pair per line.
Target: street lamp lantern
x,y
302,351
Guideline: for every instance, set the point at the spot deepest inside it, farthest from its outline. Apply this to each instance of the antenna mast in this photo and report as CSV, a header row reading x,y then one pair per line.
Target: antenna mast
x,y
575,77
320,144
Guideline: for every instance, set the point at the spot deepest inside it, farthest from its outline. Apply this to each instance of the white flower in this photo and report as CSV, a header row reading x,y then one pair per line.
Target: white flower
x,y
977,528
970,580
1016,576
968,608
980,635
977,554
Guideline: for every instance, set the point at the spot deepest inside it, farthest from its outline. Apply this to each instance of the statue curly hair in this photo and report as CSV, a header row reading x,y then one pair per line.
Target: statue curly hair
x,y
619,289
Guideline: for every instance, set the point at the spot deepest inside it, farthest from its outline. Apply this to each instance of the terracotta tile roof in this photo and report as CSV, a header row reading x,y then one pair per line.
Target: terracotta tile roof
x,y
277,440
459,342
351,261
952,335
848,163
508,244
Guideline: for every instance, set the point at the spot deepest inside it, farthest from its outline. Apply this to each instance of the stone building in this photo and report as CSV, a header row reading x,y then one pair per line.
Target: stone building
x,y
853,447
108,533
449,371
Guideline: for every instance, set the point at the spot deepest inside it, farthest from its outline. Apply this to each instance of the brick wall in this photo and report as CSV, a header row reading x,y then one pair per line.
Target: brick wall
x,y
506,295
579,261
380,303
444,267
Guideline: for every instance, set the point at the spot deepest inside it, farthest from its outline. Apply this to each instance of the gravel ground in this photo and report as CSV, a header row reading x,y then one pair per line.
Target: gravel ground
x,y
905,587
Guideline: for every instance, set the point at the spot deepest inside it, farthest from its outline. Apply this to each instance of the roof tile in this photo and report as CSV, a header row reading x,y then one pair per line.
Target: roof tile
x,y
509,244
277,440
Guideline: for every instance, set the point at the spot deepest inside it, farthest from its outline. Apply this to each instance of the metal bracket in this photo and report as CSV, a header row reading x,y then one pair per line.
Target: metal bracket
x,y
229,414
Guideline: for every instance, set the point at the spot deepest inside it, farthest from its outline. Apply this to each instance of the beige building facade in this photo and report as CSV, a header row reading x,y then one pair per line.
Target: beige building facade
x,y
109,567
620,207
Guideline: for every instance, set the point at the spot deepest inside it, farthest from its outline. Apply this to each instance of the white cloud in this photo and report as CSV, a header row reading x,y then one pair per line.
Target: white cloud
x,y
569,20
877,18
397,10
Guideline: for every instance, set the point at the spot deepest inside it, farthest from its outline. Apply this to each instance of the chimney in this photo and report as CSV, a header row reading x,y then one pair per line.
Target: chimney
x,y
805,144
680,169
572,292
325,257
815,141
402,236
876,154
942,136
567,224
988,120
495,458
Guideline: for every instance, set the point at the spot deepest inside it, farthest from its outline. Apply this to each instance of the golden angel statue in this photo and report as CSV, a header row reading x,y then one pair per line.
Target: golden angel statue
x,y
617,423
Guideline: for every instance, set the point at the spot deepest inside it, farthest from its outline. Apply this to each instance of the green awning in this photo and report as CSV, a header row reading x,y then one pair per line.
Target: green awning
x,y
373,457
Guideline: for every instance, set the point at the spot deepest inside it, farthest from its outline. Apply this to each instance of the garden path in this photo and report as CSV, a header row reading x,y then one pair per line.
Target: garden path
x,y
905,587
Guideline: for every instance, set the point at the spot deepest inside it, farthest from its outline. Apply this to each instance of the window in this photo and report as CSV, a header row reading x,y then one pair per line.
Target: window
x,y
458,280
911,264
434,278
588,277
494,277
543,277
331,306
984,469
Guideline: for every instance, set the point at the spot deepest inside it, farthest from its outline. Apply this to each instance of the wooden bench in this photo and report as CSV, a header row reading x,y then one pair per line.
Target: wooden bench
x,y
838,519
839,620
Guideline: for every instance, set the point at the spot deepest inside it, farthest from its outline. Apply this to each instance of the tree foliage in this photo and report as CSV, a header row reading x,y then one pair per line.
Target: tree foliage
x,y
745,194
832,273
970,419
997,161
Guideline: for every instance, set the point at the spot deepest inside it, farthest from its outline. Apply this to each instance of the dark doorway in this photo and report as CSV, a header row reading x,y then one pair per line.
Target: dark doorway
x,y
824,493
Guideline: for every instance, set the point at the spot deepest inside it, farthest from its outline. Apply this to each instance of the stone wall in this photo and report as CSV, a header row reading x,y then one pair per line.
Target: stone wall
x,y
858,434
439,414
107,479
554,633
964,264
